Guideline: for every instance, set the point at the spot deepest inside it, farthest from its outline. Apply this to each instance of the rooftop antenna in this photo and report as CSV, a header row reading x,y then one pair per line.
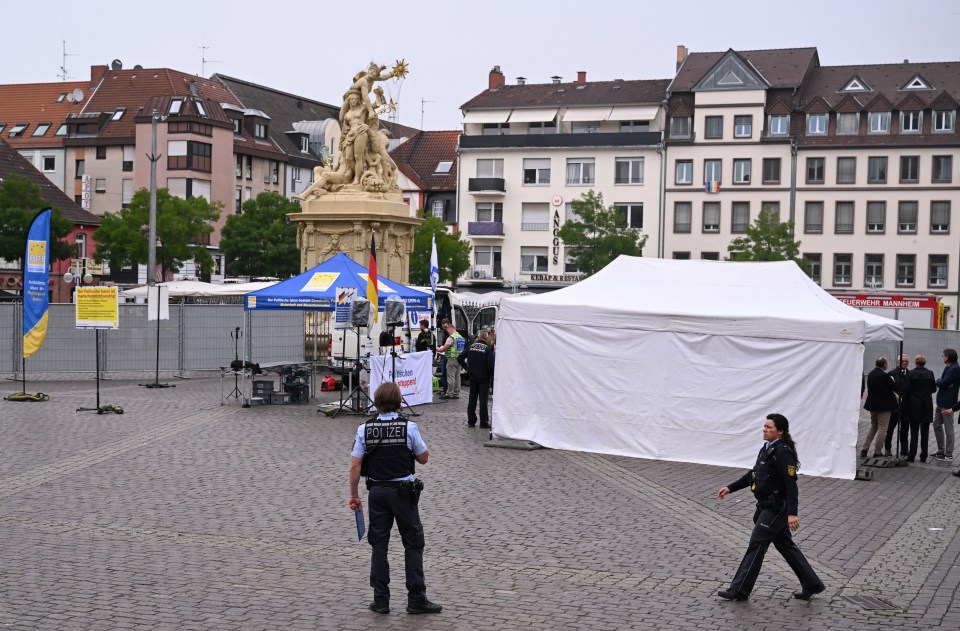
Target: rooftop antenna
x,y
204,61
63,74
423,102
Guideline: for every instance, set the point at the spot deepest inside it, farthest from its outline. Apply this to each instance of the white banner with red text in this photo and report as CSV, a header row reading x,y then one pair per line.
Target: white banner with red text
x,y
412,373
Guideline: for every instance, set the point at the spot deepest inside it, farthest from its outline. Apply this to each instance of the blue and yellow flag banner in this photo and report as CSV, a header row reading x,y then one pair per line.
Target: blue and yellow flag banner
x,y
36,279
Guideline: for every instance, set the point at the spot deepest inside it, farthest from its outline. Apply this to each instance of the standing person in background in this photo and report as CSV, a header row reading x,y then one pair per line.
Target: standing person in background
x,y
773,481
918,407
899,375
478,360
425,338
450,350
948,385
881,400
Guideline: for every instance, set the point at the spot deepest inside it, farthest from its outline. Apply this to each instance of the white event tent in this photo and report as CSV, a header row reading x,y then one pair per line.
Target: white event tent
x,y
682,361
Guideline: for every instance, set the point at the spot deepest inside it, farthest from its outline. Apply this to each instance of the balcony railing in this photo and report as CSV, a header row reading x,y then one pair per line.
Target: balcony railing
x,y
534,226
486,185
626,139
485,228
485,272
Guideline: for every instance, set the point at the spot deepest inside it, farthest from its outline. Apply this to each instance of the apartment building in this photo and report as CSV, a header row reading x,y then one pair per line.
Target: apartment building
x,y
427,165
528,150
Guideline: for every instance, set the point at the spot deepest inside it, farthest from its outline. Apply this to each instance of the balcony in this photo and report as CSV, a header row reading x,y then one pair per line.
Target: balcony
x,y
485,228
626,139
485,272
486,185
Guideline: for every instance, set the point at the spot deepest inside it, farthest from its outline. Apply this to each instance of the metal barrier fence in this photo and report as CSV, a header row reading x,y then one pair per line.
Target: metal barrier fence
x,y
927,342
195,338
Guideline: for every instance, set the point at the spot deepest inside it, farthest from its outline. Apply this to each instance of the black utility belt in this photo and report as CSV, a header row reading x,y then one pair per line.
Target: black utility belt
x,y
769,502
389,484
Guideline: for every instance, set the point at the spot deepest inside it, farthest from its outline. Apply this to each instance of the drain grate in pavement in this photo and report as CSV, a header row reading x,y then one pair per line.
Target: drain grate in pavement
x,y
871,603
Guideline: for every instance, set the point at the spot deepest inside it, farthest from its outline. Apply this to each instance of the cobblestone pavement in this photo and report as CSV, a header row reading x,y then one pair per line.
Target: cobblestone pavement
x,y
185,514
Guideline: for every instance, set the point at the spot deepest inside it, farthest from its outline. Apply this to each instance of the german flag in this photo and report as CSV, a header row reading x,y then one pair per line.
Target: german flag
x,y
372,295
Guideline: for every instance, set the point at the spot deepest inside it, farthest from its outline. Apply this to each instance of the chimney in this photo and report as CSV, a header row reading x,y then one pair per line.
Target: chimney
x,y
556,78
581,77
96,73
497,80
682,53
521,80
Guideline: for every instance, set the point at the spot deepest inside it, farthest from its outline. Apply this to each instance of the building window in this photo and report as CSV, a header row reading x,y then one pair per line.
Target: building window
x,y
911,122
443,166
17,130
906,270
569,265
742,126
248,168
739,217
846,170
304,144
741,171
490,168
682,217
909,169
879,122
873,271
126,195
630,214
938,270
61,130
876,217
713,127
128,158
710,256
772,209
436,208
842,269
49,163
41,129
779,125
816,124
239,169
585,127
942,169
533,260
236,125
939,217
189,154
175,106
943,120
815,170
681,256
844,218
238,201
489,211
80,168
118,114
629,127
684,172
771,170
876,170
907,218
101,153
848,123
711,216
536,170
81,243
628,171
679,126
813,218
543,127
534,216
712,171
260,130
580,171
815,261
495,129
295,174
275,172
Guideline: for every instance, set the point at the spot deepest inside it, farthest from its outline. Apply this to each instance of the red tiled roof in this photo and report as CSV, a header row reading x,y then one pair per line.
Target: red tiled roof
x,y
12,162
781,67
36,103
885,80
418,158
570,94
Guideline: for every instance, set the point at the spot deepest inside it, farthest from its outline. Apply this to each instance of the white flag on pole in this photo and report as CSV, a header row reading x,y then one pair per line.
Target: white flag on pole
x,y
434,266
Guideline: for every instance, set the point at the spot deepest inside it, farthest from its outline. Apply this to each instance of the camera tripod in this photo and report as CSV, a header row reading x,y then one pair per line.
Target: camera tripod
x,y
357,390
387,341
235,335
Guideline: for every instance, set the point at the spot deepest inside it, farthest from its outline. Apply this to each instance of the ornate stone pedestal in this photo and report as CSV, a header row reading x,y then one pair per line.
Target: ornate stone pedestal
x,y
343,221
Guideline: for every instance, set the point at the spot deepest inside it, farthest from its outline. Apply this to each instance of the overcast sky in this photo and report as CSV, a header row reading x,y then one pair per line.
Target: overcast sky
x,y
309,49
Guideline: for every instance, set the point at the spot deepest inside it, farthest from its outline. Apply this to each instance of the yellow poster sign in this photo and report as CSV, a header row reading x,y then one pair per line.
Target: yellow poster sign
x,y
97,308
321,281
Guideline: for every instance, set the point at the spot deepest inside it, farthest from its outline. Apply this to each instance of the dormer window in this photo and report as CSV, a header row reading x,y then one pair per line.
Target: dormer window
x,y
444,166
856,85
260,130
943,120
175,106
879,122
816,124
118,114
304,144
41,129
200,108
236,125
911,122
917,83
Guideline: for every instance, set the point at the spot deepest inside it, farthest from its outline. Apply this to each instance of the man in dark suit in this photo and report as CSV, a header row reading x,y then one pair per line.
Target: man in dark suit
x,y
918,407
899,375
881,401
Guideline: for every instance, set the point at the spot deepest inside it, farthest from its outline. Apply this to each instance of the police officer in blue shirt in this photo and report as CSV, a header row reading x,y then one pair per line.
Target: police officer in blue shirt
x,y
385,450
773,481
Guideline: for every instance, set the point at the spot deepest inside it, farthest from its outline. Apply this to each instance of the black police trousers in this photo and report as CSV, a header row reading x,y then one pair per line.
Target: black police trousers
x,y
385,505
479,392
770,526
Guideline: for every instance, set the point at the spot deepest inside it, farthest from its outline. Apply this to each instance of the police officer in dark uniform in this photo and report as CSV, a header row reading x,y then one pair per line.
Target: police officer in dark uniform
x,y
478,361
773,481
384,451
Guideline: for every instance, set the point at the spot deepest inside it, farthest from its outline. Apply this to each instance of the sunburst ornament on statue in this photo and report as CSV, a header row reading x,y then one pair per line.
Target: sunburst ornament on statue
x,y
400,69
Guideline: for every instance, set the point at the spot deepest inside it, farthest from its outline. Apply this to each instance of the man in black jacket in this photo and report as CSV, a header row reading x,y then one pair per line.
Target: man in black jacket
x,y
918,407
899,375
478,360
881,400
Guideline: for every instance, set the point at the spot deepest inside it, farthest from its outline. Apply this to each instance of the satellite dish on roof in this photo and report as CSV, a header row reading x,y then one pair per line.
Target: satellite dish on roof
x,y
69,97
77,95
116,64
138,67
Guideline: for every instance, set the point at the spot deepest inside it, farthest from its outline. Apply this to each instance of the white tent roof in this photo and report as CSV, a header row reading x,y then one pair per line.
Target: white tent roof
x,y
180,288
752,299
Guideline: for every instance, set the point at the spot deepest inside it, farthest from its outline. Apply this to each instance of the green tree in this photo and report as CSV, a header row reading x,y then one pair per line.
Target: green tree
x,y
598,235
20,201
453,255
182,226
768,239
262,241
